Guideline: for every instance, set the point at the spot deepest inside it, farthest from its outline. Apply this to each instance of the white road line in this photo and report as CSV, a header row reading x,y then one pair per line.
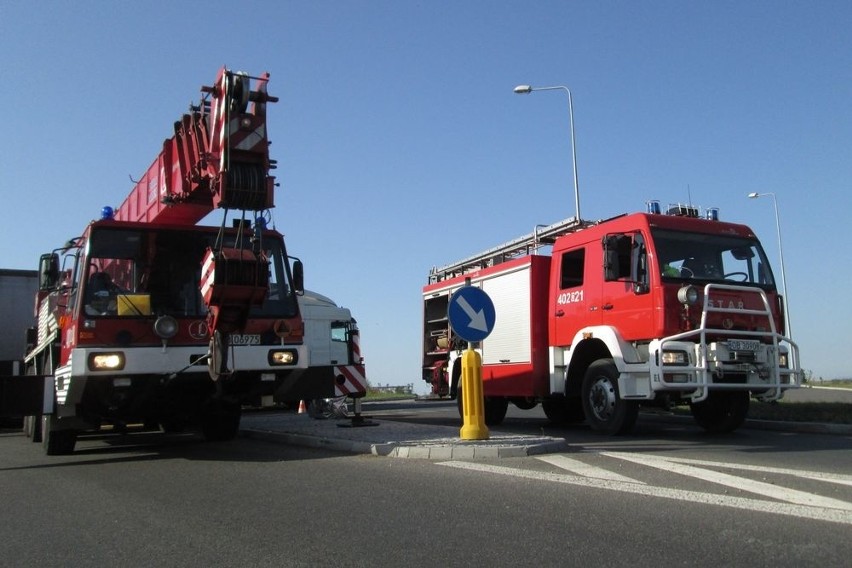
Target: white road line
x,y
586,470
742,483
838,478
787,509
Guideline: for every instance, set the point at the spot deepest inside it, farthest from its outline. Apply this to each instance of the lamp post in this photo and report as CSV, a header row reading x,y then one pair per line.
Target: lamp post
x,y
524,89
755,195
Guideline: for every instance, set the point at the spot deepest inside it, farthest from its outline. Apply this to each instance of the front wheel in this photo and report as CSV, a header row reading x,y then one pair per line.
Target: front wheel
x,y
722,411
220,421
56,442
603,406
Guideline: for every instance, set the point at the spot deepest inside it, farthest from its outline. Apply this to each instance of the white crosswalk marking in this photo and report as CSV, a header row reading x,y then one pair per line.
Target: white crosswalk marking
x,y
786,502
838,478
584,469
742,483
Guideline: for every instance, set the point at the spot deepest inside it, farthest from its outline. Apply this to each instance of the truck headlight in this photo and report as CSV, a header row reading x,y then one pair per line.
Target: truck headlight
x,y
166,327
783,360
106,361
278,357
687,295
675,358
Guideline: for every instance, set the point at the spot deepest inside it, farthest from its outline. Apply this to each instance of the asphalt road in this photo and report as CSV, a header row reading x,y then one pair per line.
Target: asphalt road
x,y
668,495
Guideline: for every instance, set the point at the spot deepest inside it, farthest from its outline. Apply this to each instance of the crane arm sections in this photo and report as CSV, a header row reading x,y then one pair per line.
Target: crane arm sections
x,y
217,158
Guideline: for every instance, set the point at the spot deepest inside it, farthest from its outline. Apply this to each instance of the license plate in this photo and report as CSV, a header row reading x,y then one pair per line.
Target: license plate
x,y
245,339
743,345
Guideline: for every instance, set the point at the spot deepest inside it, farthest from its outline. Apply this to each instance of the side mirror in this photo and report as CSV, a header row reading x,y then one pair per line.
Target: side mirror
x,y
298,277
48,271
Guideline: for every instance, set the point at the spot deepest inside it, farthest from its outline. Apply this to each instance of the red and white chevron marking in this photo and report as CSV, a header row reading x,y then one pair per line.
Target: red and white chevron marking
x,y
351,379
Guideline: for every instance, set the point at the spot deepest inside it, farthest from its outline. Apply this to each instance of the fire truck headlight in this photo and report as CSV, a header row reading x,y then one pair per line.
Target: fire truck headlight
x,y
675,358
106,361
278,357
783,360
687,295
166,327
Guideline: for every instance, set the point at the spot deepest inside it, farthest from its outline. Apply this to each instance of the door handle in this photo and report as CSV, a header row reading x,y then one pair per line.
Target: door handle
x,y
559,313
606,307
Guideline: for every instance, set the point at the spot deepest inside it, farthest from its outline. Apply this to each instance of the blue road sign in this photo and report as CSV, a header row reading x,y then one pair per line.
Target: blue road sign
x,y
471,313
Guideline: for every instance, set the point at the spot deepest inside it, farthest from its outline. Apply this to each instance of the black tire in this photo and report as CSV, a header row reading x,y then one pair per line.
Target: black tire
x,y
495,410
220,421
524,403
32,424
722,411
564,410
56,442
605,410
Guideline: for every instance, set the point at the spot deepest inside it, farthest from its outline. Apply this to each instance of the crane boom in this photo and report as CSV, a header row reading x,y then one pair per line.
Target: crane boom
x,y
217,158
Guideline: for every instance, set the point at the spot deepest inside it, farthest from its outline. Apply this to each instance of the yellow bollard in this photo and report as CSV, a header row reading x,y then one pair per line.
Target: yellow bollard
x,y
473,402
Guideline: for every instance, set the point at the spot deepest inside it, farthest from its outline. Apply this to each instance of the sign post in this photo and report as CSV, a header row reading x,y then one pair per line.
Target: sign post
x,y
471,314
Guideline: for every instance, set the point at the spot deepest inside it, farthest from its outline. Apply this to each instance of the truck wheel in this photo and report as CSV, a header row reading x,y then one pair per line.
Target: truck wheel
x,y
220,421
605,410
722,411
495,410
32,424
56,442
564,410
32,428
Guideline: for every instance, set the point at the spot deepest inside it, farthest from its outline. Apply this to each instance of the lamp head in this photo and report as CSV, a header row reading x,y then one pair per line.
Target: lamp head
x,y
523,89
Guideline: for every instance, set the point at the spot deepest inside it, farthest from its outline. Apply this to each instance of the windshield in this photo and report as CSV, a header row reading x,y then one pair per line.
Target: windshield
x,y
157,271
714,258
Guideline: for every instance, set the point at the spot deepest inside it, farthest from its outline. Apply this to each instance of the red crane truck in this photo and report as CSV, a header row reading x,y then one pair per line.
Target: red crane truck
x,y
149,318
646,308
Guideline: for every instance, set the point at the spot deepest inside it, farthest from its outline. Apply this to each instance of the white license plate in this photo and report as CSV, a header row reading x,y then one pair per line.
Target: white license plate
x,y
743,345
245,339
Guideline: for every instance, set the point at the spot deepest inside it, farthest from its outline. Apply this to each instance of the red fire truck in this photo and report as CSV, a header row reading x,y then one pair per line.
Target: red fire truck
x,y
595,318
149,318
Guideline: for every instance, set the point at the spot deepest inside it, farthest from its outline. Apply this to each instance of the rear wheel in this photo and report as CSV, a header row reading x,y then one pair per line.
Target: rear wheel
x,y
722,411
32,424
495,410
605,410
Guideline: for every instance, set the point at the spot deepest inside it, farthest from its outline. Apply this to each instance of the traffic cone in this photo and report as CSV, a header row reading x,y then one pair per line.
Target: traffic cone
x,y
302,407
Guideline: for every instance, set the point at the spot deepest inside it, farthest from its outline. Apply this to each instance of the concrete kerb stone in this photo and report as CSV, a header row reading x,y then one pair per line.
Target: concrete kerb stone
x,y
395,439
417,441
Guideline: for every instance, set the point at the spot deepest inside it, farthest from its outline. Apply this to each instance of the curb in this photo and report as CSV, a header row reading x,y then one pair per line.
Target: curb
x,y
497,446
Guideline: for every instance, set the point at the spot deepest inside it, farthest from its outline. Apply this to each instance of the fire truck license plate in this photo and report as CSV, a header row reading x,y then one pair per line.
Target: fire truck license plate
x,y
743,345
245,339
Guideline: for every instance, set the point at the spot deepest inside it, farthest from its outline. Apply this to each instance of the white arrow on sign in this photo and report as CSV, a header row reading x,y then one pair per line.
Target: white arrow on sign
x,y
477,319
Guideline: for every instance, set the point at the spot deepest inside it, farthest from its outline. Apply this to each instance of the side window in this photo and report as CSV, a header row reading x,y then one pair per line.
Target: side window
x,y
571,274
339,331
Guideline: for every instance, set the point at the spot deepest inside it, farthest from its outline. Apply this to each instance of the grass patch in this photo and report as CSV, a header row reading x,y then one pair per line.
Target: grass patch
x,y
841,384
385,395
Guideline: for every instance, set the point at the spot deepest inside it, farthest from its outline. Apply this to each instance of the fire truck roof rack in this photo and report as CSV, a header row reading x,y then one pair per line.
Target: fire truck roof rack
x,y
522,246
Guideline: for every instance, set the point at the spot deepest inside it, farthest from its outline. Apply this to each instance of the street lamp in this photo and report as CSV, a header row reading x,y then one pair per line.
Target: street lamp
x,y
755,195
524,89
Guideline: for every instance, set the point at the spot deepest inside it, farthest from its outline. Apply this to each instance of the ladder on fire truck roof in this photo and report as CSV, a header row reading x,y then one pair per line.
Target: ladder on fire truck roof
x,y
522,246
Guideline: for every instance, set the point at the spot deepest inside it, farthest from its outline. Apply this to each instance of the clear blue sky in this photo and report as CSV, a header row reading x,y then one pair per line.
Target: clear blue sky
x,y
401,145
